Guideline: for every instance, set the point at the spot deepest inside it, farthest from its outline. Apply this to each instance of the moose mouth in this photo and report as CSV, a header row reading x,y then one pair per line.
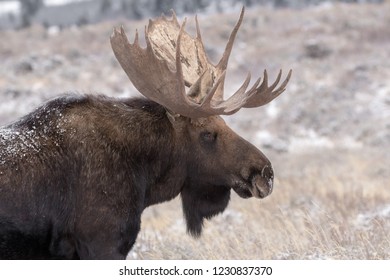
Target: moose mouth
x,y
257,185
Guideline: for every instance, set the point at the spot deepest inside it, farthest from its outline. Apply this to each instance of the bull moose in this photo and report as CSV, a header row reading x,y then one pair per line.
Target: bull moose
x,y
77,173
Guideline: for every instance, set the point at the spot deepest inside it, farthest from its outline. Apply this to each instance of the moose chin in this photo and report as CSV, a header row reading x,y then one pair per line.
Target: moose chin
x,y
77,173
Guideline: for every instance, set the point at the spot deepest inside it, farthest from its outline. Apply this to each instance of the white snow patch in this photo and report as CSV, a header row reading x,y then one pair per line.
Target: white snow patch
x,y
379,105
366,220
264,136
349,143
59,2
230,215
265,139
53,30
310,139
9,7
272,110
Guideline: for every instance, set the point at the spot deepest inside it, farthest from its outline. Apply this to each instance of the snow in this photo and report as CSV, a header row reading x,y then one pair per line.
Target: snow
x,y
7,7
59,2
368,219
17,145
310,139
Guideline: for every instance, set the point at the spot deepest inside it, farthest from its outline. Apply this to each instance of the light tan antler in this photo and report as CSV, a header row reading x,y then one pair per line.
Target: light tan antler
x,y
173,60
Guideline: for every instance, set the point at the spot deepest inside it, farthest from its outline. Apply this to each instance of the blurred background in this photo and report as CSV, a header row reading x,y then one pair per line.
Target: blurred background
x,y
22,13
328,135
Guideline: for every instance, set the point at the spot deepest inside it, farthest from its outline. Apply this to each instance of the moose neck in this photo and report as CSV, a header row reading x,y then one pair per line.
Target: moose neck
x,y
163,160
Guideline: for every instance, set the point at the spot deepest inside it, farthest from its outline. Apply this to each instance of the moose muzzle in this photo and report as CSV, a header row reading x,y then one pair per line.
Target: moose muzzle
x,y
262,183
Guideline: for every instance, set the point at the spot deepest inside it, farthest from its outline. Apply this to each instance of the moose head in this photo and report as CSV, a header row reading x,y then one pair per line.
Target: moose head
x,y
175,72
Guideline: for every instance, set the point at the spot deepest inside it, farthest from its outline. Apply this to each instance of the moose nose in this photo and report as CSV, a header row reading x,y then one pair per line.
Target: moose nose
x,y
267,174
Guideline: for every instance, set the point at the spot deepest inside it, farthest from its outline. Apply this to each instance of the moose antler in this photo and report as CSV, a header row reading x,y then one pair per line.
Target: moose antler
x,y
173,60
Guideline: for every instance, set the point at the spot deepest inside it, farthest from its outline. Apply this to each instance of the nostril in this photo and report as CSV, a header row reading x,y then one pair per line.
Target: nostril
x,y
267,173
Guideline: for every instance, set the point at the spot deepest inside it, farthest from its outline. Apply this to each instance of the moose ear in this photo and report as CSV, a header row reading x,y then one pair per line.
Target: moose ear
x,y
202,202
172,117
177,121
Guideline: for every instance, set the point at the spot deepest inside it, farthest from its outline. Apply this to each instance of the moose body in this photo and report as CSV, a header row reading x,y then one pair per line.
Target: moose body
x,y
77,173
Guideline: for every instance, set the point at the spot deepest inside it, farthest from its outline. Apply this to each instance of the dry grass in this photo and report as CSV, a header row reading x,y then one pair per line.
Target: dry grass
x,y
326,205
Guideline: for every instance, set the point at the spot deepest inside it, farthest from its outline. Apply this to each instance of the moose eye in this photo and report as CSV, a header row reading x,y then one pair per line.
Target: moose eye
x,y
208,137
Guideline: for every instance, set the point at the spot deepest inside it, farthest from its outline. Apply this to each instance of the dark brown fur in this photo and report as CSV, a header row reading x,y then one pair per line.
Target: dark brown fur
x,y
76,174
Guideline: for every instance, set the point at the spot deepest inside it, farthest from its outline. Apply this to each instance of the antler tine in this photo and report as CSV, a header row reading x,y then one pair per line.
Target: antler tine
x,y
198,34
238,99
207,101
222,64
264,94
